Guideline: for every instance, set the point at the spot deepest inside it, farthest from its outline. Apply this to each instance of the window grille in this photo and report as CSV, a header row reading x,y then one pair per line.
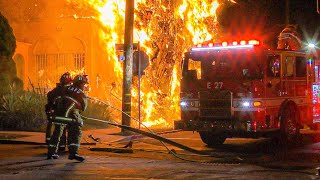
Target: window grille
x,y
49,67
41,62
79,59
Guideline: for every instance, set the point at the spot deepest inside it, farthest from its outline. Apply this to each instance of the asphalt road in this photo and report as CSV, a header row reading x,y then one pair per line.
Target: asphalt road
x,y
236,159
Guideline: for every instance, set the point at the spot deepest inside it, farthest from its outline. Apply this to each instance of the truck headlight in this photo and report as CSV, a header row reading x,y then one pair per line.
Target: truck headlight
x,y
246,104
183,104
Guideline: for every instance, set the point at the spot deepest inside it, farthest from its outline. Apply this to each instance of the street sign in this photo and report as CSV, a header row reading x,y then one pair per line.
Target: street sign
x,y
144,62
122,57
120,51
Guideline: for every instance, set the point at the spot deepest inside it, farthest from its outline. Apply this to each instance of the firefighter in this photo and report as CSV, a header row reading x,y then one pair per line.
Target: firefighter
x,y
67,114
65,82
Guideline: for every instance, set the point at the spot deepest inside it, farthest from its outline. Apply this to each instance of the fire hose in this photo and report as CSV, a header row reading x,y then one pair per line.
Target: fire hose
x,y
153,135
162,139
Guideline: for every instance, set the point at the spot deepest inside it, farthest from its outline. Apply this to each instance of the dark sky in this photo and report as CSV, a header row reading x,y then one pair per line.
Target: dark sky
x,y
304,13
269,16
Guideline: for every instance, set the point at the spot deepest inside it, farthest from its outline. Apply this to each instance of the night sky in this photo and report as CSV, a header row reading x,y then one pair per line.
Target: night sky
x,y
268,17
304,13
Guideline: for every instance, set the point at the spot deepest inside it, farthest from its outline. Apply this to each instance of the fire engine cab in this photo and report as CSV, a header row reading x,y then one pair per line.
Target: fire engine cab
x,y
242,89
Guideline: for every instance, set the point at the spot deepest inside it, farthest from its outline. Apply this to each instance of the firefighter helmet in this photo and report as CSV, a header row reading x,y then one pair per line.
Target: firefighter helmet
x,y
81,79
65,78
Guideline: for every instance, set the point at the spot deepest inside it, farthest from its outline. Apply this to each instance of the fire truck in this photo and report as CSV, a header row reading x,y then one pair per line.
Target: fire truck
x,y
243,89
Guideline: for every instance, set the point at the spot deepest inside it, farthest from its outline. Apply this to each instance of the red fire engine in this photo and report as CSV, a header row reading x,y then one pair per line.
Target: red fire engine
x,y
242,89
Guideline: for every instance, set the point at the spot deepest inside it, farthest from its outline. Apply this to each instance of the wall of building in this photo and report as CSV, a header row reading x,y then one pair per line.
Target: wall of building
x,y
57,31
54,46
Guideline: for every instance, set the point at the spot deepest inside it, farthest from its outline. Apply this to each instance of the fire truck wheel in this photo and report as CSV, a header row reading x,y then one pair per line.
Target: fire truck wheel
x,y
213,139
289,124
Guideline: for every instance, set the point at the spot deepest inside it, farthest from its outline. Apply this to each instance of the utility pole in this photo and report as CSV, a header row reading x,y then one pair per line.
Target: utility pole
x,y
287,12
139,87
127,68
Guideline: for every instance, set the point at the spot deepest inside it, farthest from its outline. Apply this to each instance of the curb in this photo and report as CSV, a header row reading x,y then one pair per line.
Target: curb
x,y
5,141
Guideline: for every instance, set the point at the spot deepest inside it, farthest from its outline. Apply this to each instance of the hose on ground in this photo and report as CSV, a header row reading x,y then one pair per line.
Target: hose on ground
x,y
154,135
164,140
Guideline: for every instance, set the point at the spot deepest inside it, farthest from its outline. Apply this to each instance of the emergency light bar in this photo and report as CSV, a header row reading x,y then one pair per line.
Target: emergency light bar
x,y
235,45
221,47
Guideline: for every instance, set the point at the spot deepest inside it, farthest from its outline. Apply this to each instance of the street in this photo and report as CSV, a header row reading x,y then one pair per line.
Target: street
x,y
236,159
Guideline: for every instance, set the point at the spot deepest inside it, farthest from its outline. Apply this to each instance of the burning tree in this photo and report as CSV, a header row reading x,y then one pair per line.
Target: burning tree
x,y
165,29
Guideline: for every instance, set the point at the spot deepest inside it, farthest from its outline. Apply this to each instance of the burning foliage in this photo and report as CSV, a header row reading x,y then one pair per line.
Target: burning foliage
x,y
164,29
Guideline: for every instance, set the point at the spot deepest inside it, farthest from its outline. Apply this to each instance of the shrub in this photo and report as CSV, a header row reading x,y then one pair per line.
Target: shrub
x,y
8,72
25,111
7,40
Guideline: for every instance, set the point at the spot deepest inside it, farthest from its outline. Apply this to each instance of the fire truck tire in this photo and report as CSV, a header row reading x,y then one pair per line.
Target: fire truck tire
x,y
212,139
289,124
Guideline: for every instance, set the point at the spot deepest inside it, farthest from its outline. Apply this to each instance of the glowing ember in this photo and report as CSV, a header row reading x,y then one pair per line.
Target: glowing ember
x,y
165,29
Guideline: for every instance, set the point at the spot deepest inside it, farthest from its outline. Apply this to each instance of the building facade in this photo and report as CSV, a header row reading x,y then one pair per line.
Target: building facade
x,y
48,48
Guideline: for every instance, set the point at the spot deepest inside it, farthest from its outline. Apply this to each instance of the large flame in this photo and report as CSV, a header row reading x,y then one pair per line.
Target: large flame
x,y
165,29
197,16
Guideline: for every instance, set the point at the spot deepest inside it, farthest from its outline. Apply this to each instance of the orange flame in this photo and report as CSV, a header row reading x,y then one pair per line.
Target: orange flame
x,y
196,14
165,30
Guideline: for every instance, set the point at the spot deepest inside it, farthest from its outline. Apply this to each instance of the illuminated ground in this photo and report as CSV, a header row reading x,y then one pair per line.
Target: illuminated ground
x,y
240,159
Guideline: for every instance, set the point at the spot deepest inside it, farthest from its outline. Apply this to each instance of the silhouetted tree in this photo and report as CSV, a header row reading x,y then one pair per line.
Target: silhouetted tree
x,y
7,39
8,72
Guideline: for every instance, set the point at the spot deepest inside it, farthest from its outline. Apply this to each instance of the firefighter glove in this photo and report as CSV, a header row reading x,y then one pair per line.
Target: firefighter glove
x,y
78,120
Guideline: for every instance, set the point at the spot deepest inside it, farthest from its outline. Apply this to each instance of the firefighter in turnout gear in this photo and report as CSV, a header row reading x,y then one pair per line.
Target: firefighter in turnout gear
x,y
65,82
67,114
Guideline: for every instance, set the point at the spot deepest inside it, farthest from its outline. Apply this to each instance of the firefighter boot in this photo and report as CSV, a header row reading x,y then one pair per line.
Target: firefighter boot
x,y
76,157
52,156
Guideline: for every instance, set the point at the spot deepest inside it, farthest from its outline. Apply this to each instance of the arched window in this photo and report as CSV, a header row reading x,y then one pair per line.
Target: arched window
x,y
53,58
20,66
74,50
45,51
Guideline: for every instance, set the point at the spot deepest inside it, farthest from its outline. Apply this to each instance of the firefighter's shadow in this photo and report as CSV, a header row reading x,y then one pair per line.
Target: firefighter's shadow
x,y
70,166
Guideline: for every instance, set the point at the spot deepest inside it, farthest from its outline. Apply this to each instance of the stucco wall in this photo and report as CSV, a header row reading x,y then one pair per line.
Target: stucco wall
x,y
65,36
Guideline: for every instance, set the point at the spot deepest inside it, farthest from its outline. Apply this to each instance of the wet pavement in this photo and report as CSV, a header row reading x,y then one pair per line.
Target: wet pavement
x,y
23,156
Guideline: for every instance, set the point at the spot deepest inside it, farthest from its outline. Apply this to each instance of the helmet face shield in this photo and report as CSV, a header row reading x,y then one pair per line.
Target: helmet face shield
x,y
86,79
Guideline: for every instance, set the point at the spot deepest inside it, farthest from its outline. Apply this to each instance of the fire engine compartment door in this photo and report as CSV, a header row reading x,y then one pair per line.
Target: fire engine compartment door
x,y
294,76
288,75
